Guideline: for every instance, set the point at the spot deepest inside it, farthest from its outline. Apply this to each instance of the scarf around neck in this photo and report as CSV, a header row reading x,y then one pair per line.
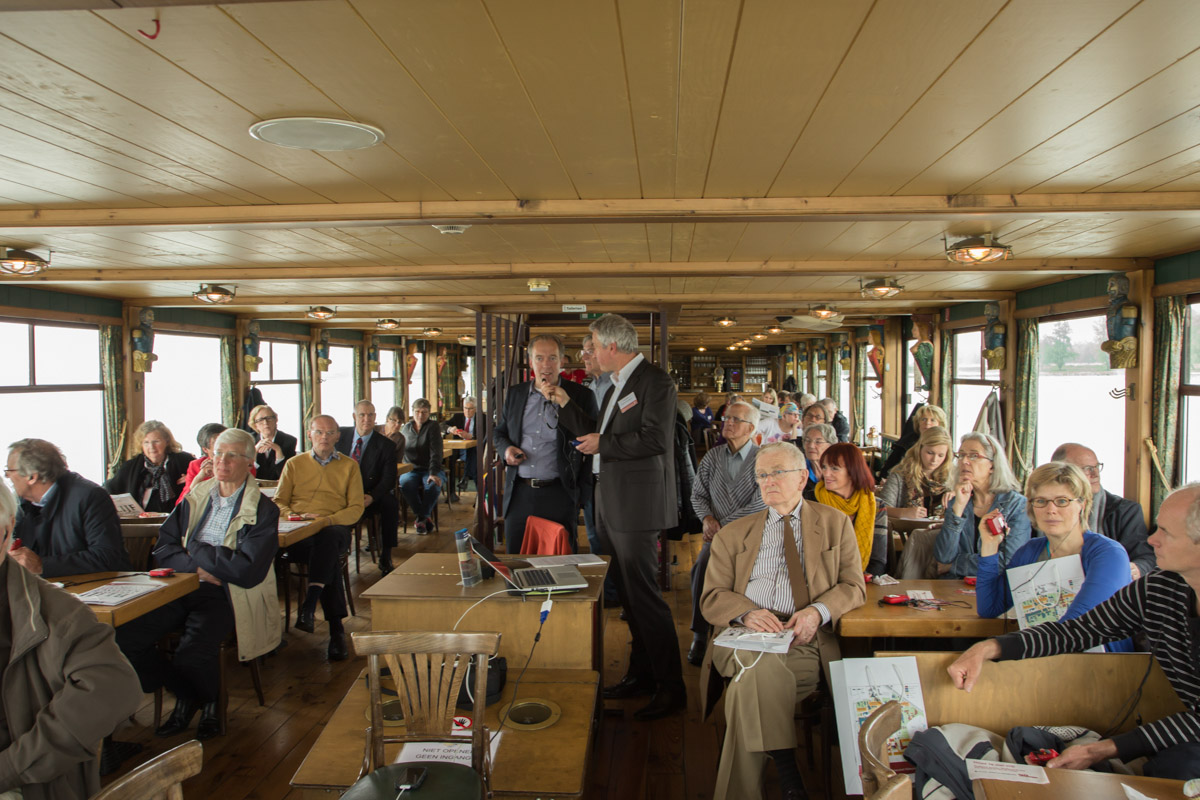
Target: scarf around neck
x,y
158,481
861,510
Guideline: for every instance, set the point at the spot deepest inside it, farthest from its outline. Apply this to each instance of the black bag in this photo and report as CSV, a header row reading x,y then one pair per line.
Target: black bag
x,y
497,676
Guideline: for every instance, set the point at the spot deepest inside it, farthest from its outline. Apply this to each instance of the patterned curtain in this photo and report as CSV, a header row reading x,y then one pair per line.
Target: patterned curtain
x,y
833,375
112,373
231,404
1024,437
360,389
401,372
1170,327
307,398
860,390
946,378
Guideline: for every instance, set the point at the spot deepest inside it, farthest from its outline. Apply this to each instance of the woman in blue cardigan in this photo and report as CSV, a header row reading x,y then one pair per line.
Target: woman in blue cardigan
x,y
1061,497
982,486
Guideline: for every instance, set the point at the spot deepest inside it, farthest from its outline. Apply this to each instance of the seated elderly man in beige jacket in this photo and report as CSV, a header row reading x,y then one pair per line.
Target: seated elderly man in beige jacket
x,y
794,565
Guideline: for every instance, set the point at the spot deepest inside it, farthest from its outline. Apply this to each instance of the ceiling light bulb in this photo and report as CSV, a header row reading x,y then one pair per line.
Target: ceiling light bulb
x,y
701,349
978,250
21,262
758,337
321,312
774,328
732,347
745,347
725,322
388,324
432,332
824,311
466,339
538,285
210,293
881,289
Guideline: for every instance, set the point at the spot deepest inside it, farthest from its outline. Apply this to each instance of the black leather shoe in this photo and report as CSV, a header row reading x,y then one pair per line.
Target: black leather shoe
x,y
623,616
695,654
664,703
305,620
180,719
386,565
210,723
337,647
629,686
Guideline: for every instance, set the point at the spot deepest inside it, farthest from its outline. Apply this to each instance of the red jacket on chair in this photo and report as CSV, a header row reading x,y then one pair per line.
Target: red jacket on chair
x,y
544,538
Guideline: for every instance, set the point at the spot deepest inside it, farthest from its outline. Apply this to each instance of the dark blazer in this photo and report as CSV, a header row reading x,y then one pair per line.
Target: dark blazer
x,y
377,464
571,463
129,478
268,469
841,426
1124,522
637,451
78,531
459,420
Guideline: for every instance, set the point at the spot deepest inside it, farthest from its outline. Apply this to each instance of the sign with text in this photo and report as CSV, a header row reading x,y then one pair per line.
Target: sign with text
x,y
574,308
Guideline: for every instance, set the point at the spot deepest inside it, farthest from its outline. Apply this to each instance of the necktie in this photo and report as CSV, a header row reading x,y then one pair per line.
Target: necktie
x,y
357,454
791,557
471,427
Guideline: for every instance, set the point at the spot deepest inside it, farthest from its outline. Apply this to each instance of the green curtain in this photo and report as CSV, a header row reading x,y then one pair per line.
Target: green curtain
x,y
833,374
307,399
360,389
860,390
946,376
231,404
1170,328
398,390
112,373
1024,438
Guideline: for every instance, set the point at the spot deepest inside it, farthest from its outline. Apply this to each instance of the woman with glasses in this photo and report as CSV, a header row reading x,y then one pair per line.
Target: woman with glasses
x,y
1061,498
272,447
915,488
155,476
816,440
847,485
982,487
788,425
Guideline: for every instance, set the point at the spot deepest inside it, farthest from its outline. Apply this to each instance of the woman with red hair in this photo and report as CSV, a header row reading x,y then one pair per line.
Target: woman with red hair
x,y
847,485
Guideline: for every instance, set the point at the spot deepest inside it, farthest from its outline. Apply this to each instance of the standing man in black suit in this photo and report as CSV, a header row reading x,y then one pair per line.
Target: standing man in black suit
x,y
272,446
376,457
542,472
465,425
634,467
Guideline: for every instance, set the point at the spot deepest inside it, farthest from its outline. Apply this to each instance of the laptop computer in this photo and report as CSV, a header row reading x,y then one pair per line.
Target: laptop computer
x,y
533,579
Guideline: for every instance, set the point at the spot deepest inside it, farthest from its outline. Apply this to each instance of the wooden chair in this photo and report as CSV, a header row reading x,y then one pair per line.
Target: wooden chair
x,y
428,670
228,650
160,778
283,571
371,526
139,544
880,781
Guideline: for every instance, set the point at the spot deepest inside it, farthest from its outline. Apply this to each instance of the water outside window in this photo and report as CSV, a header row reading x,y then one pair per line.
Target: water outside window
x,y
337,385
184,388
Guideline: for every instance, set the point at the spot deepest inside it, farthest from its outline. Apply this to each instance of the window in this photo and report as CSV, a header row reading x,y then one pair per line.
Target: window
x,y
913,396
383,384
822,374
1189,401
844,388
337,385
183,390
873,413
416,385
50,389
278,378
1071,364
973,381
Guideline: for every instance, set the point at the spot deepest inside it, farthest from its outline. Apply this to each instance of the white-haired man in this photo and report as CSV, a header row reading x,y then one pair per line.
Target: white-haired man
x,y
1161,605
226,531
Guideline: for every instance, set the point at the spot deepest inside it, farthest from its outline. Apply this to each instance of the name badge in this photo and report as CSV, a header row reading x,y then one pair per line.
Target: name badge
x,y
627,402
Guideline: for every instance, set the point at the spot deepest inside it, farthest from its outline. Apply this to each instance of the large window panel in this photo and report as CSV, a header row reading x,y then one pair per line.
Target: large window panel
x,y
184,388
278,379
337,385
383,384
973,381
1189,401
417,386
1071,364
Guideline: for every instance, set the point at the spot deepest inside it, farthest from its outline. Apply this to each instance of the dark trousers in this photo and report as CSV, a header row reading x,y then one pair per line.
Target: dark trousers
x,y
1179,763
205,619
589,521
655,651
388,510
322,552
700,625
468,459
548,502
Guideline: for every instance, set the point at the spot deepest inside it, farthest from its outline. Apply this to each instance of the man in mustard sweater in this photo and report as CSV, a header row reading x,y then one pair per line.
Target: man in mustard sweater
x,y
326,487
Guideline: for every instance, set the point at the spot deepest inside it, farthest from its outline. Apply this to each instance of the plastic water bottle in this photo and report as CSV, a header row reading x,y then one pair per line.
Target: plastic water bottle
x,y
468,566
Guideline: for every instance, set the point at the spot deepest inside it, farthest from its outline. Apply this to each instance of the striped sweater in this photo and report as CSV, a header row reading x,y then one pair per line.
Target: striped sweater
x,y
1160,604
725,498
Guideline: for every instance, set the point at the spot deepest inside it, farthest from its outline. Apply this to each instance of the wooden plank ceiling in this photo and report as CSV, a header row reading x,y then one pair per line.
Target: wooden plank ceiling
x,y
712,156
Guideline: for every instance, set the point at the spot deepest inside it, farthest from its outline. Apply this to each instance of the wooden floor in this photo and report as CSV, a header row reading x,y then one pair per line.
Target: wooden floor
x,y
669,759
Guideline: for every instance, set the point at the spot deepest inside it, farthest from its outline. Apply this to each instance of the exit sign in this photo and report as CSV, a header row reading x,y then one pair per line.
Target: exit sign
x,y
591,315
574,308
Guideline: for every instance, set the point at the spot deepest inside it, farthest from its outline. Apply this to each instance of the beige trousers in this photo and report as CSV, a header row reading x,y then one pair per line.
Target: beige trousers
x,y
760,711
917,562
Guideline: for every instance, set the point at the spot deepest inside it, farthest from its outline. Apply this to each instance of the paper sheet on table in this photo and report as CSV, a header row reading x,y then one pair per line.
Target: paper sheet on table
x,y
113,594
126,505
268,491
580,560
450,752
919,594
1133,794
860,685
978,769
285,526
1043,591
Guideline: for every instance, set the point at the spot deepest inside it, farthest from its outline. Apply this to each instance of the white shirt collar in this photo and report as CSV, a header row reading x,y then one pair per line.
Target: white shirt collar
x,y
621,375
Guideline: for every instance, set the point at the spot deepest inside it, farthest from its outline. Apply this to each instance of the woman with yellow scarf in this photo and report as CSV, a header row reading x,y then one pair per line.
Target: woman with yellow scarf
x,y
848,486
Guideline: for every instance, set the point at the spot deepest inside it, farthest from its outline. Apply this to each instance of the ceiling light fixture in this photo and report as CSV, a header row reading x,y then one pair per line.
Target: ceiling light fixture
x,y
977,250
431,333
880,289
451,230
823,311
724,322
21,262
701,349
321,312
732,347
217,295
538,285
387,324
745,347
466,339
774,328
316,133
758,337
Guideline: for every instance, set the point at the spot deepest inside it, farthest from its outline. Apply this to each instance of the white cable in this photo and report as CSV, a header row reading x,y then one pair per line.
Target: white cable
x,y
742,667
468,611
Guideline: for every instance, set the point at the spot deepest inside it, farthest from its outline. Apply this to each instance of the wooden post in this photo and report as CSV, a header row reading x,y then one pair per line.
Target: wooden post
x,y
368,339
135,382
1139,400
241,329
893,366
1008,375
313,339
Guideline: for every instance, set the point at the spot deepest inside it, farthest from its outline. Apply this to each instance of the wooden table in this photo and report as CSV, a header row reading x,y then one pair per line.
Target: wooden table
x,y
403,468
298,535
459,444
546,763
424,594
150,518
1074,783
174,587
872,619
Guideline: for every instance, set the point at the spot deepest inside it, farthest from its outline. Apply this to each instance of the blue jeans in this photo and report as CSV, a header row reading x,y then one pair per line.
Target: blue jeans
x,y
420,494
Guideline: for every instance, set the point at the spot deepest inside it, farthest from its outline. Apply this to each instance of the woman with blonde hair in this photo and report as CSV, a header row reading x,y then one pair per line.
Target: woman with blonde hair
x,y
1061,497
922,419
155,476
915,487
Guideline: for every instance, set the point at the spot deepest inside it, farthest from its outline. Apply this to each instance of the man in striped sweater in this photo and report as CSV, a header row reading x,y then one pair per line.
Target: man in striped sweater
x,y
1164,606
724,491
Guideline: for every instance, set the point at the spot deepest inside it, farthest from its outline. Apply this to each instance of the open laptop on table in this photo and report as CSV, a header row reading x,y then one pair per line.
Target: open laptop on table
x,y
529,580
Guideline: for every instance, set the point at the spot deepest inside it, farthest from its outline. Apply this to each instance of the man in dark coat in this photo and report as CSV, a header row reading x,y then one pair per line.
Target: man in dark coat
x,y
465,425
376,457
67,525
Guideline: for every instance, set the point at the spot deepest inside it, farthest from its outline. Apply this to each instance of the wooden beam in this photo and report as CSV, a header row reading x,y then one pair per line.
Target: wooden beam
x,y
558,269
687,210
